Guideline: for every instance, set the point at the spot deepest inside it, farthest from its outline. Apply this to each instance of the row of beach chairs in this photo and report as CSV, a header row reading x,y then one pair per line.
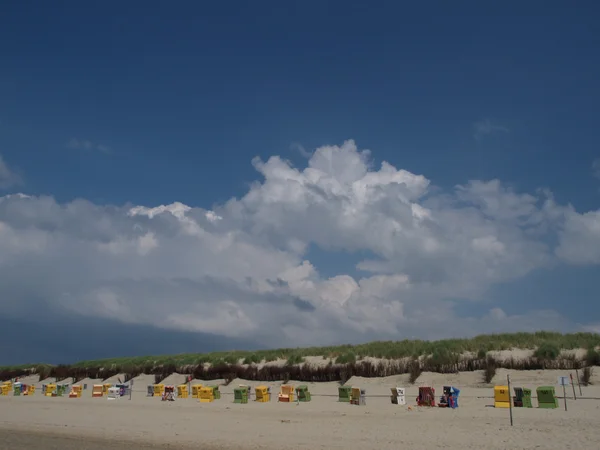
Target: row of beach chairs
x,y
17,388
546,397
241,394
288,393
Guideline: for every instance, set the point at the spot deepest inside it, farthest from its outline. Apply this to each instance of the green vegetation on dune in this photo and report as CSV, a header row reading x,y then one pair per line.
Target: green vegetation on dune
x,y
443,351
34,368
378,349
374,359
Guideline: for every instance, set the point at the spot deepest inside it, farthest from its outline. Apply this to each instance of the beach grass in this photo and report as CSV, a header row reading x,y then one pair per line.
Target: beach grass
x,y
549,342
377,349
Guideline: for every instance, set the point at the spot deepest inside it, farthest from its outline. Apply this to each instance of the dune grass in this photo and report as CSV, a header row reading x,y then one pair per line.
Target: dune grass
x,y
441,355
378,349
548,342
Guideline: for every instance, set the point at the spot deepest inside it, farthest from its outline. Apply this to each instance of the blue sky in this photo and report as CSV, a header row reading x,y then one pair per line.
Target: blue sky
x,y
149,103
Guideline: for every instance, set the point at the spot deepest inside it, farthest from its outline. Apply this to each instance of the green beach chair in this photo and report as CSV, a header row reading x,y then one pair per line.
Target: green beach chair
x,y
546,397
344,393
522,398
303,393
240,395
216,392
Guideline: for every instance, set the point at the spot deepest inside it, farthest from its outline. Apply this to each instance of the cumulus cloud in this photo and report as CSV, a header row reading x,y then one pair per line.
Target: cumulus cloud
x,y
580,238
241,269
8,177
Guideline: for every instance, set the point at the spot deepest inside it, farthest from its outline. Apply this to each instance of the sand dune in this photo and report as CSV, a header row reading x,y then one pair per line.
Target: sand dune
x,y
87,384
175,379
115,379
40,383
141,382
29,380
218,382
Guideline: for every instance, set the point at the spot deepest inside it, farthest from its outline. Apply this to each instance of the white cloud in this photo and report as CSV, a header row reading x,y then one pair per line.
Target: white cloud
x,y
8,178
83,144
300,149
486,127
580,238
241,270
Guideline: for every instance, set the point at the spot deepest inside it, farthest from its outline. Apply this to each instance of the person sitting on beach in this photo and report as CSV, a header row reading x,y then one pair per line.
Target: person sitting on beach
x,y
444,399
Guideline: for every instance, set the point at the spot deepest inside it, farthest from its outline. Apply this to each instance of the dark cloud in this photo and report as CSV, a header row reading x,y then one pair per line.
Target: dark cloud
x,y
70,339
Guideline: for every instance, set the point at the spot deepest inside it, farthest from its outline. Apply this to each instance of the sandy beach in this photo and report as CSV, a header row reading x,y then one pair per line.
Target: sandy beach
x,y
53,441
87,423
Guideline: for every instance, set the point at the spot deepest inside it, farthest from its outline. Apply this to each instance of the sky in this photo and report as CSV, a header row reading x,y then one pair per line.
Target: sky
x,y
198,176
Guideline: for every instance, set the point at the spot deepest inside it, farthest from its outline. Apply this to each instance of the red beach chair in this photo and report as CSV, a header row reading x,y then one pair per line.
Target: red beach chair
x,y
426,396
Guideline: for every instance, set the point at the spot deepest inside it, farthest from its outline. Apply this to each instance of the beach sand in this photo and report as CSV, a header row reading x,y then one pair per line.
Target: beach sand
x,y
50,441
38,422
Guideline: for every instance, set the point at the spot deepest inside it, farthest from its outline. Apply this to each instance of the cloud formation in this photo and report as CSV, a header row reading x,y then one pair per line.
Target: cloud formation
x,y
83,144
241,269
8,177
296,146
486,127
